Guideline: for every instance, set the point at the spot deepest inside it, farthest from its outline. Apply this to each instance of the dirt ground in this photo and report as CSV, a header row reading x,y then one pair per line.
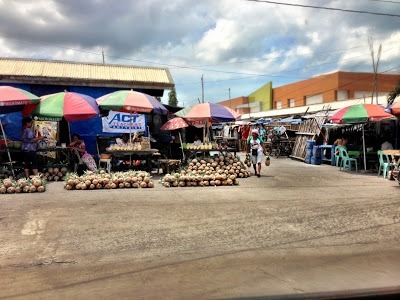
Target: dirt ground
x,y
297,229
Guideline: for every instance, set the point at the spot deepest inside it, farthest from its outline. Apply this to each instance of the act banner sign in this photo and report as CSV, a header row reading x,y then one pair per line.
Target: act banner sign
x,y
120,122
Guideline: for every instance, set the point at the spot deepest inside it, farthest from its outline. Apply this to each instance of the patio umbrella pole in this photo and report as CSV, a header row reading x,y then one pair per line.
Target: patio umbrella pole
x,y
69,132
130,138
183,152
130,128
363,138
8,150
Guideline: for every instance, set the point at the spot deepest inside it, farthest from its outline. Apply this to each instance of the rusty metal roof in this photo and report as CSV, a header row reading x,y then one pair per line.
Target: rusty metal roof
x,y
87,73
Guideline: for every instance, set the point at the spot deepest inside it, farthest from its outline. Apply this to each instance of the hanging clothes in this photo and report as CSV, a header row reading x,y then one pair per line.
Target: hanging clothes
x,y
226,130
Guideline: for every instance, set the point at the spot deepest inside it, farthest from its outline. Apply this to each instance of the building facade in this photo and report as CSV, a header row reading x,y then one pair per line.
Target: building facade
x,y
238,104
337,86
259,100
43,77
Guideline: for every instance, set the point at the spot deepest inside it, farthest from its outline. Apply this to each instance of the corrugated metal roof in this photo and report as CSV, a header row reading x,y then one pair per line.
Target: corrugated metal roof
x,y
84,71
314,108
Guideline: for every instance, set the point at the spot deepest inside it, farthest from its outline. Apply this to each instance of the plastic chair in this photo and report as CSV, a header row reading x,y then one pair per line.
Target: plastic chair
x,y
338,158
384,163
346,160
77,160
106,161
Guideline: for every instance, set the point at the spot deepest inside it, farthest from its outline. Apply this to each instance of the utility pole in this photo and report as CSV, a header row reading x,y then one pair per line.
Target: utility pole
x,y
230,104
102,54
375,68
202,89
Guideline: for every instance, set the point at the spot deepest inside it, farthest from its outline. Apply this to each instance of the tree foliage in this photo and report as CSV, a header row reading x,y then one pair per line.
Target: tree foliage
x,y
172,100
394,94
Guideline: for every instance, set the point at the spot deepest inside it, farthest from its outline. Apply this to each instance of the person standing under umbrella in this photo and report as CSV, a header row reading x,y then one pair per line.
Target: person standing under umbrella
x,y
256,149
29,145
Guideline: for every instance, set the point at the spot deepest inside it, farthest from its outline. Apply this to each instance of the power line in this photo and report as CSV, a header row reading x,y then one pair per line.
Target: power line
x,y
279,56
386,1
292,70
173,66
326,8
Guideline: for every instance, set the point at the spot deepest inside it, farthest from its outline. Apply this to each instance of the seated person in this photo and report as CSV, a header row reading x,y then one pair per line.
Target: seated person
x,y
78,146
342,141
386,145
124,140
197,141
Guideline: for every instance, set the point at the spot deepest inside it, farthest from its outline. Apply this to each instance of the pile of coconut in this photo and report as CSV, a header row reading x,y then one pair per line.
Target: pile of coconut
x,y
55,174
10,186
103,180
222,170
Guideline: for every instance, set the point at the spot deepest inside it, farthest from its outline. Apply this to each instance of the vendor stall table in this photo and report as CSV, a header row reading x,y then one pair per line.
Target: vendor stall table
x,y
192,153
392,152
62,154
147,155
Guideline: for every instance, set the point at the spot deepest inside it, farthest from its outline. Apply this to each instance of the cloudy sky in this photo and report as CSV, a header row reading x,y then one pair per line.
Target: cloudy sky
x,y
237,45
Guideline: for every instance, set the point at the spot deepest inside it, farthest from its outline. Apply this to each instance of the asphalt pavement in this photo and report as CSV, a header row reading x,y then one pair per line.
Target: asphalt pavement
x,y
297,229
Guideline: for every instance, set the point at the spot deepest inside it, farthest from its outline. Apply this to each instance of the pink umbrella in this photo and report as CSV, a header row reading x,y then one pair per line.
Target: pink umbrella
x,y
211,112
13,99
175,123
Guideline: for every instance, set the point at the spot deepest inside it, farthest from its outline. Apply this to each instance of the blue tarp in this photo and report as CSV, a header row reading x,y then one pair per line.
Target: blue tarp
x,y
89,130
13,129
291,121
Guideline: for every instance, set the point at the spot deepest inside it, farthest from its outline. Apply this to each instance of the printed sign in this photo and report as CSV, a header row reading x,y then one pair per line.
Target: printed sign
x,y
199,124
120,122
49,130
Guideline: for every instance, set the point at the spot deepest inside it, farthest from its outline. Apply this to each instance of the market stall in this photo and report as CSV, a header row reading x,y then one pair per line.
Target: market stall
x,y
361,114
133,102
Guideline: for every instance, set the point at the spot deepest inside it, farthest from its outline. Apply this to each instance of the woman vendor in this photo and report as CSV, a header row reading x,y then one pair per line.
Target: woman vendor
x,y
78,145
29,145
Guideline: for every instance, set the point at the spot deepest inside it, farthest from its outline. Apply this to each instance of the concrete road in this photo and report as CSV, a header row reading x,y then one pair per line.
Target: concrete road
x,y
297,229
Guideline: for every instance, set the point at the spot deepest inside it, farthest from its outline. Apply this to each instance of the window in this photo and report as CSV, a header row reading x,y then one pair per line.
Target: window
x,y
278,104
314,99
342,95
292,103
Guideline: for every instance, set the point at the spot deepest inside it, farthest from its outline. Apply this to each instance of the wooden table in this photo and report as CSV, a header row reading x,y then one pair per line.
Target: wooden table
x,y
193,152
136,154
392,152
62,154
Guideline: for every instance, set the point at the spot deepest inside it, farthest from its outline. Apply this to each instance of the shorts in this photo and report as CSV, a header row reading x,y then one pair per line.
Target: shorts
x,y
257,159
30,160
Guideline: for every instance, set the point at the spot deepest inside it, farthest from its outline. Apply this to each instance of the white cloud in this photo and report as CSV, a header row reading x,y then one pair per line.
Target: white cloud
x,y
241,38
